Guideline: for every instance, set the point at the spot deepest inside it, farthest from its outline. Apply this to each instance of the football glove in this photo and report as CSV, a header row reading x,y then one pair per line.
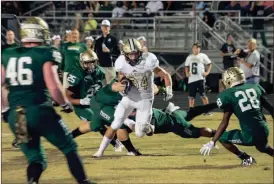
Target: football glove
x,y
67,108
208,147
85,101
168,94
128,83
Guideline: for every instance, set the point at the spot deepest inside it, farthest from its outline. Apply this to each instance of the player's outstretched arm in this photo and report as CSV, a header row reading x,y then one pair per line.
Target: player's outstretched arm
x,y
205,150
54,86
168,81
222,127
267,105
72,100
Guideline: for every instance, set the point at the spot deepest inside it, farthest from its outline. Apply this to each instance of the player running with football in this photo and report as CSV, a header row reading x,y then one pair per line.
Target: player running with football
x,y
138,68
245,101
30,75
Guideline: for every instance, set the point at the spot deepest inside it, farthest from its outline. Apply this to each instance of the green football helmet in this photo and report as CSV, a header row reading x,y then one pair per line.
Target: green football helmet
x,y
232,77
34,29
88,61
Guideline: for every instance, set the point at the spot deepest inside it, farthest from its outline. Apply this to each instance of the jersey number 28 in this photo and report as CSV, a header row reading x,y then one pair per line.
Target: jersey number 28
x,y
249,94
19,75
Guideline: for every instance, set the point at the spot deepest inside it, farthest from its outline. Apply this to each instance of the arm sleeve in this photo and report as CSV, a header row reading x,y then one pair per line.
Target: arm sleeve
x,y
116,50
154,62
206,59
187,61
53,56
223,48
223,102
73,80
119,64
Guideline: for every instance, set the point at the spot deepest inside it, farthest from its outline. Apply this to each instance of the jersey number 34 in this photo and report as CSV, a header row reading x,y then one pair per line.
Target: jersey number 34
x,y
19,75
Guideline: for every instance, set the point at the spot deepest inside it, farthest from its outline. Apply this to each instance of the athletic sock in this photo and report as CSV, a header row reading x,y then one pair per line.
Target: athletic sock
x,y
128,145
113,142
34,172
243,155
76,132
198,110
104,144
76,167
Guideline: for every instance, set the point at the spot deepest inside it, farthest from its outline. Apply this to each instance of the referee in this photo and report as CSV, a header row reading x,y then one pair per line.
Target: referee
x,y
107,50
251,64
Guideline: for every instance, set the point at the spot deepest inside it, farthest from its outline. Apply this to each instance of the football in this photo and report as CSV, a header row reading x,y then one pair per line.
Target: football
x,y
128,83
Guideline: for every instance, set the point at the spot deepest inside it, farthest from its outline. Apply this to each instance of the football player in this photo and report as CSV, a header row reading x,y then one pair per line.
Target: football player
x,y
245,101
139,69
177,121
84,82
30,75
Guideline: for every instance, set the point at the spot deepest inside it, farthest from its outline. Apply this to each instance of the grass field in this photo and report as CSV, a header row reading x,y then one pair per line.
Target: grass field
x,y
167,159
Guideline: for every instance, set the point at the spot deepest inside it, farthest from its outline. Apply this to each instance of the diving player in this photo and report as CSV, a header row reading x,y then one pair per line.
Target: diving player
x,y
30,74
245,101
139,68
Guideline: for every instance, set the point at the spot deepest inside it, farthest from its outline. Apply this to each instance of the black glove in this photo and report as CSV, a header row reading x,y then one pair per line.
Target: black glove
x,y
5,115
67,108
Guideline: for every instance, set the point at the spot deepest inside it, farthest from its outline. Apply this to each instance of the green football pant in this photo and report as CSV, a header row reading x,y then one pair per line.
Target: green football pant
x,y
84,114
102,116
258,138
43,121
179,126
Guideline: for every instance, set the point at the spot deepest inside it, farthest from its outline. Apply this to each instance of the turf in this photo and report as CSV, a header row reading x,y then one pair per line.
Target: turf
x,y
167,159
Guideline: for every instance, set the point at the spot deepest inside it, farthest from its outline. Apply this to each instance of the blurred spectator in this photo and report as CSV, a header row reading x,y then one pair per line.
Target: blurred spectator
x,y
90,25
71,52
199,6
11,7
154,7
227,51
119,10
245,8
209,19
10,40
89,42
257,10
79,23
56,41
121,43
251,64
233,5
107,50
105,6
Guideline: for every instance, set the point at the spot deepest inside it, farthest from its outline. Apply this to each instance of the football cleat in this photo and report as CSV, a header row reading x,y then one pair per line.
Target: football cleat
x,y
98,154
134,153
248,161
118,146
15,144
171,108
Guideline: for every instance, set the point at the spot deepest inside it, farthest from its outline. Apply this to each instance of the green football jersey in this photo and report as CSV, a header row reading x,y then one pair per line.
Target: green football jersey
x,y
245,102
71,53
24,74
108,97
161,118
84,84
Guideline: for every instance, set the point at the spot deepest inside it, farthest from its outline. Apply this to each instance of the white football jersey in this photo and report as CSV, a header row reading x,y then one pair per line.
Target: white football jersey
x,y
196,65
141,75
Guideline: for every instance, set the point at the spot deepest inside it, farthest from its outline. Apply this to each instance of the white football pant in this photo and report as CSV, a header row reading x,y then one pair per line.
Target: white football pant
x,y
143,114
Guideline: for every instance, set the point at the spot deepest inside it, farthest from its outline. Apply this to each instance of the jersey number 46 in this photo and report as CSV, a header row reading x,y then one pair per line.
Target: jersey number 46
x,y
19,75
